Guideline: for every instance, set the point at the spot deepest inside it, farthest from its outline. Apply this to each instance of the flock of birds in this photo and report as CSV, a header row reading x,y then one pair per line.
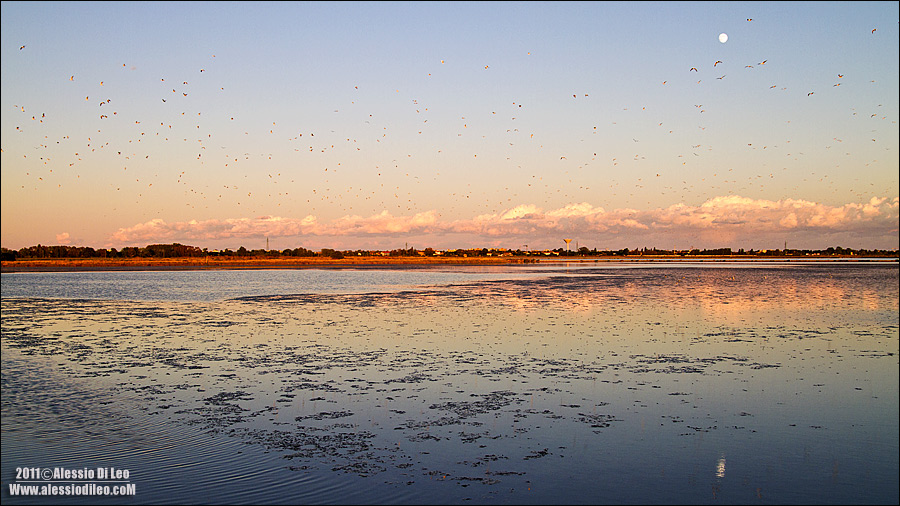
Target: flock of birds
x,y
293,182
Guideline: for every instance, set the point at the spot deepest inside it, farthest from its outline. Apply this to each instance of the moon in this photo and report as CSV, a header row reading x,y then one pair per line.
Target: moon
x,y
723,37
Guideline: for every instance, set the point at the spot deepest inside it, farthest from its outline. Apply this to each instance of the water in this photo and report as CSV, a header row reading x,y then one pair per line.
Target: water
x,y
208,285
578,383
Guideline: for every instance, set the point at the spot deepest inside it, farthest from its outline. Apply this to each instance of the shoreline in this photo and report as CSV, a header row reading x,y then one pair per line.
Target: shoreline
x,y
211,263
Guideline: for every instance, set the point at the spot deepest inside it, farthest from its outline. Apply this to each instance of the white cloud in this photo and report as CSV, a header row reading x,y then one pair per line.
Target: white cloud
x,y
521,211
576,210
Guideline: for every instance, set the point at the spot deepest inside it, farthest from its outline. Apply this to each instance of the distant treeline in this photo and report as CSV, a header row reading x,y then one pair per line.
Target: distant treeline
x,y
176,250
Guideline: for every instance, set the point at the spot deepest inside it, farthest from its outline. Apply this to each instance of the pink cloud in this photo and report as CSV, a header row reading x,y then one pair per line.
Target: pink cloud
x,y
719,222
381,224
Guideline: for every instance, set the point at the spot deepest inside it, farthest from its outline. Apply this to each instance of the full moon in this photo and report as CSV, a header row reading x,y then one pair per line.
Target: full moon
x,y
723,37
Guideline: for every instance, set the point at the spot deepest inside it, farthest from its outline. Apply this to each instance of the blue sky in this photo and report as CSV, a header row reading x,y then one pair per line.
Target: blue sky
x,y
372,125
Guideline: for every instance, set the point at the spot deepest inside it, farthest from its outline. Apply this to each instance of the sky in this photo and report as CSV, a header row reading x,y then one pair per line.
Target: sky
x,y
382,125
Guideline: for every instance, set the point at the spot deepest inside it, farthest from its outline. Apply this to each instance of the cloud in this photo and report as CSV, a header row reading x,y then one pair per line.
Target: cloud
x,y
63,239
158,230
575,211
381,224
521,211
720,221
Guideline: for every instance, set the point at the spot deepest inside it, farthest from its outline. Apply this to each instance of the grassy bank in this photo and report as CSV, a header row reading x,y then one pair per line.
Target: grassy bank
x,y
194,263
87,264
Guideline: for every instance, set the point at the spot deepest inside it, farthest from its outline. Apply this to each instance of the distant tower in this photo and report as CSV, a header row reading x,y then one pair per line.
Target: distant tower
x,y
567,245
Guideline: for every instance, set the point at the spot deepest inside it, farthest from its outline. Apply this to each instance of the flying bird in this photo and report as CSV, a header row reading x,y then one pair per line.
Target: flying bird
x,y
694,69
23,47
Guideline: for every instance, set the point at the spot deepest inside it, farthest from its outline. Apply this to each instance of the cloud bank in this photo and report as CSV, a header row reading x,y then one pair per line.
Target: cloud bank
x,y
725,221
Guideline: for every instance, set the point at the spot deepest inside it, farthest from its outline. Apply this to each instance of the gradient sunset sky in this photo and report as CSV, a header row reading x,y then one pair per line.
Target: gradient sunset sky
x,y
450,125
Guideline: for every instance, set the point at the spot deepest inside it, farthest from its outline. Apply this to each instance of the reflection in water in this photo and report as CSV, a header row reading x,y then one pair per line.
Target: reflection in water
x,y
558,389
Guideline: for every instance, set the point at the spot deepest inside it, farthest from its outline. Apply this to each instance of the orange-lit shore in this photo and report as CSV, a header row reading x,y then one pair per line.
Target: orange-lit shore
x,y
199,263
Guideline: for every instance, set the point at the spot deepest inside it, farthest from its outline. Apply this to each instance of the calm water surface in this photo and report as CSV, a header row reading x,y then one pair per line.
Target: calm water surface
x,y
579,383
208,285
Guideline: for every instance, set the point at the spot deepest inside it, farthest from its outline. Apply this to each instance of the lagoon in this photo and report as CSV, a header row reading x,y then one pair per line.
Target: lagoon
x,y
567,383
